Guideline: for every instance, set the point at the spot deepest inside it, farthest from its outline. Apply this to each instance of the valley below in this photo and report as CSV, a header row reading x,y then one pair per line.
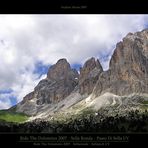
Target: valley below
x,y
84,117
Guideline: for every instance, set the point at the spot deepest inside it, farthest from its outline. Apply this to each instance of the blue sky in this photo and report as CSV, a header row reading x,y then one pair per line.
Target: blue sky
x,y
30,44
41,69
5,91
76,66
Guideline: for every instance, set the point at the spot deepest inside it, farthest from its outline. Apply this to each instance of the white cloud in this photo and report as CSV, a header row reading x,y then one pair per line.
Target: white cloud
x,y
27,39
5,104
29,81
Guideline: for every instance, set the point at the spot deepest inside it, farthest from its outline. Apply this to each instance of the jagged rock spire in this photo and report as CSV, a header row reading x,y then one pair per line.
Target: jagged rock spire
x,y
89,74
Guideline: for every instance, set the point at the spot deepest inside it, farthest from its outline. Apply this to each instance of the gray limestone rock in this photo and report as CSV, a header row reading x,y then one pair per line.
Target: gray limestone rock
x,y
128,69
60,82
89,75
127,74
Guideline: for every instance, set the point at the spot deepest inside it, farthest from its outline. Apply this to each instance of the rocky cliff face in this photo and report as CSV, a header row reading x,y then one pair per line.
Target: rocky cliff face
x,y
128,69
89,75
60,82
127,74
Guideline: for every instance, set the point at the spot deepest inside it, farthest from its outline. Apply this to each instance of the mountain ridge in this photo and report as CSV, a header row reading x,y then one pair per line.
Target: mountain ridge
x,y
64,89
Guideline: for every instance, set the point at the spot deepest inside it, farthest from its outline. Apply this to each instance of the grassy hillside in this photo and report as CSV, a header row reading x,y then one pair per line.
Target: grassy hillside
x,y
10,116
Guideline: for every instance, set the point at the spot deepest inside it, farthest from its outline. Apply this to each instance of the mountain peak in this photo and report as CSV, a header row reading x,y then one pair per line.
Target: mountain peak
x,y
128,69
89,75
63,61
59,70
127,74
90,62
